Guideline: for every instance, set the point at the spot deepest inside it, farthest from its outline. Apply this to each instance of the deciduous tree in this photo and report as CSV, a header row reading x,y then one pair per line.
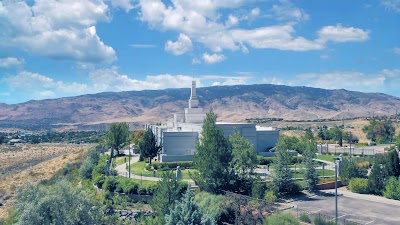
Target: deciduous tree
x,y
117,136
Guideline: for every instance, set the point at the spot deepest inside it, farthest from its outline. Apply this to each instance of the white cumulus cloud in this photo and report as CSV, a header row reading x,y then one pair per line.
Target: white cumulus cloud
x,y
180,47
340,33
213,58
126,5
10,62
59,29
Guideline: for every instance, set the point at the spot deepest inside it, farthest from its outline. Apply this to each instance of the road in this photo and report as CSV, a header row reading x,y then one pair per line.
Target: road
x,y
363,211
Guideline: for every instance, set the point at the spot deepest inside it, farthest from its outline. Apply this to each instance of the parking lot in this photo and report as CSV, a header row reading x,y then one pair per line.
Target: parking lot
x,y
351,209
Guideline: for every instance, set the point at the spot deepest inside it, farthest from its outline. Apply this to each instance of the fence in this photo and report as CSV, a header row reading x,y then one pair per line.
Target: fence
x,y
346,150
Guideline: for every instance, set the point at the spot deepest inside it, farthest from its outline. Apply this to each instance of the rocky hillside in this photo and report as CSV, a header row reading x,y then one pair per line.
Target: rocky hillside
x,y
232,103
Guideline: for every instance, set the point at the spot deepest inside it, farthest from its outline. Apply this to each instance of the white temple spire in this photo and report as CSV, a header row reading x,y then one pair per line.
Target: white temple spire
x,y
193,101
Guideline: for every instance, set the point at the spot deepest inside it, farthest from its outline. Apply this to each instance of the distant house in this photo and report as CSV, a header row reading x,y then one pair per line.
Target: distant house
x,y
15,141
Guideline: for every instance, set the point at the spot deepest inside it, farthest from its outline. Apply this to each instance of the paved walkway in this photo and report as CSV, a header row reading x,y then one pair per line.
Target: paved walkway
x,y
366,197
121,169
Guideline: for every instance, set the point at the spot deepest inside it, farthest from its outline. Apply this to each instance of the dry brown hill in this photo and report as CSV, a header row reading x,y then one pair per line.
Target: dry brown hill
x,y
232,103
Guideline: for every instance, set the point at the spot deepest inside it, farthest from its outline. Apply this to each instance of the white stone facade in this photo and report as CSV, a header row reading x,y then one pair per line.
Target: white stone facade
x,y
179,137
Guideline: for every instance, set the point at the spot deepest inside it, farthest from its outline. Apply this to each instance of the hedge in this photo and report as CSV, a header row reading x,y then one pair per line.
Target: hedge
x,y
269,160
172,165
359,185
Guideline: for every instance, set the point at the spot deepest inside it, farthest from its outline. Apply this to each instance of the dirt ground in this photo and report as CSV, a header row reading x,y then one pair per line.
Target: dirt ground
x,y
31,163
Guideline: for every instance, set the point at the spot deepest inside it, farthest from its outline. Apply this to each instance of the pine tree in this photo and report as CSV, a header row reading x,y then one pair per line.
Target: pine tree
x,y
212,158
148,145
186,212
167,191
282,175
393,164
310,172
376,179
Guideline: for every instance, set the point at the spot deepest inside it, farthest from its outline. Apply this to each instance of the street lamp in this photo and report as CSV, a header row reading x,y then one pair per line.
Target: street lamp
x,y
336,195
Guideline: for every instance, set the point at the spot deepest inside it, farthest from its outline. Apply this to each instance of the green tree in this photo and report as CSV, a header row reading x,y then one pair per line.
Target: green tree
x,y
379,131
282,175
137,136
166,192
393,164
244,160
350,170
148,145
185,212
376,179
90,162
310,172
214,206
212,158
58,204
392,188
117,136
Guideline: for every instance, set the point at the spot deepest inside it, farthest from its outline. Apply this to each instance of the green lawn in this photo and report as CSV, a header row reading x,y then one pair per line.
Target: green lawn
x,y
326,157
121,160
138,168
299,173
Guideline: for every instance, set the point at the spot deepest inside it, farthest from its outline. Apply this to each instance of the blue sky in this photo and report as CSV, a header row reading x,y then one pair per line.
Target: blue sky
x,y
58,48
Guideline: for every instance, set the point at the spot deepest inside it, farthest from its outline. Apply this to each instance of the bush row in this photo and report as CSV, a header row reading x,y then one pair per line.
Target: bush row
x,y
172,165
123,185
269,160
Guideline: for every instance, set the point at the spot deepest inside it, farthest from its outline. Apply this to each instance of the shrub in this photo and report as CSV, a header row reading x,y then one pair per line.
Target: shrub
x,y
257,189
172,165
359,185
305,218
99,180
321,221
86,169
281,218
270,197
110,184
148,168
142,190
392,188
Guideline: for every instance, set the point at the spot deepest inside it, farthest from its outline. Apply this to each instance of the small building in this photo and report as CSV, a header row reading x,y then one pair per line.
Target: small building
x,y
178,137
15,141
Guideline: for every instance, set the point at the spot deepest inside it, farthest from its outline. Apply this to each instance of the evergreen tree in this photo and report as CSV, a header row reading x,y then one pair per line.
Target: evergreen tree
x,y
212,158
148,145
310,172
186,212
282,175
166,192
117,136
376,179
393,164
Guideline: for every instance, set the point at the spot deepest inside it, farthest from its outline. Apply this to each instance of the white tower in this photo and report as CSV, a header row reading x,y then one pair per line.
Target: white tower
x,y
193,101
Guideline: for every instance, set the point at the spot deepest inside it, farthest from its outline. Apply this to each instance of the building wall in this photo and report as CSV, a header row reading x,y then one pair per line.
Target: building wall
x,y
266,140
179,143
248,131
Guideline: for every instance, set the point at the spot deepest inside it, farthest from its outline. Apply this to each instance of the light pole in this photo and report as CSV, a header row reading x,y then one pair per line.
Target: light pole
x,y
129,161
336,196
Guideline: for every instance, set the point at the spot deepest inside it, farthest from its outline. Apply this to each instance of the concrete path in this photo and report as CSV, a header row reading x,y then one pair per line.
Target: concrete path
x,y
121,169
366,197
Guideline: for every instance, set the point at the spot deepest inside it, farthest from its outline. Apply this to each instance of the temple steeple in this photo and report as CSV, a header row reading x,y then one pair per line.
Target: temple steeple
x,y
193,101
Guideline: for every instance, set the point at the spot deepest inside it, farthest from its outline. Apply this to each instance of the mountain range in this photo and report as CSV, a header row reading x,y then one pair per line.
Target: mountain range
x,y
231,103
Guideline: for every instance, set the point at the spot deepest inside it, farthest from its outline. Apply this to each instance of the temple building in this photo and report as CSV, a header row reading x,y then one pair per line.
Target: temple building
x,y
179,136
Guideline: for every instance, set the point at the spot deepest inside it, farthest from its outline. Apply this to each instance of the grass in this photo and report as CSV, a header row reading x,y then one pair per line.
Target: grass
x,y
299,173
138,168
121,160
326,157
